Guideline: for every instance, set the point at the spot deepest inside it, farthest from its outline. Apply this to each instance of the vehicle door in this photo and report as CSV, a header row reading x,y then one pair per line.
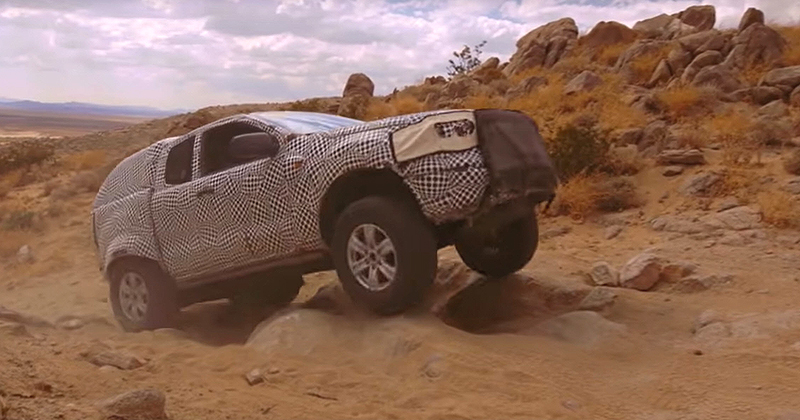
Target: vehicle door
x,y
222,218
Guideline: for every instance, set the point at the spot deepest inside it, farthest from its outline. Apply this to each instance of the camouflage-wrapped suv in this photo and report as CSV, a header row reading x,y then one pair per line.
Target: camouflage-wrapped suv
x,y
243,207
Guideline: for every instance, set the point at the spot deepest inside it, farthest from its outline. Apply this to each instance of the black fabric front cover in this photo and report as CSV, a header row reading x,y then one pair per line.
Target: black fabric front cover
x,y
515,154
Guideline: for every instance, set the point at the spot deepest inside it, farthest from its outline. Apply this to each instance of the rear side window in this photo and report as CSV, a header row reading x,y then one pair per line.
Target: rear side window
x,y
179,163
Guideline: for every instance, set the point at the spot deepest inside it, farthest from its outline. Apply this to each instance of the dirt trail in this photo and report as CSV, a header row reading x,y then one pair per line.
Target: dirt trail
x,y
640,359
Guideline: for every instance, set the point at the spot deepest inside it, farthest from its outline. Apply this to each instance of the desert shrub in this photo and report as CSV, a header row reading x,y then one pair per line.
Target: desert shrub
x,y
23,154
83,161
466,60
778,209
19,220
406,104
622,161
578,148
752,74
616,194
398,105
792,163
578,196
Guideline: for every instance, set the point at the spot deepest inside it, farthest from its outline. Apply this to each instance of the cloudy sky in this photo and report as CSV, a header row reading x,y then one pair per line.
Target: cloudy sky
x,y
194,53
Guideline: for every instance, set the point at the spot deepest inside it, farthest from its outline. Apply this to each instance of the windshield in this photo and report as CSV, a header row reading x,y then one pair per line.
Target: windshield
x,y
305,122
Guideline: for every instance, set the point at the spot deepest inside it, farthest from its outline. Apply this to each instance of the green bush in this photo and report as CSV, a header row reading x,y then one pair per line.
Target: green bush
x,y
578,148
24,153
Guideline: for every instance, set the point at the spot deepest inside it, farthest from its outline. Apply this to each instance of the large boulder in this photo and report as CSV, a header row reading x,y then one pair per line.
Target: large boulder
x,y
358,84
678,59
654,27
526,87
662,74
737,218
694,42
583,82
356,96
718,76
543,46
787,76
701,17
708,58
794,97
639,48
756,44
751,16
640,272
608,33
763,95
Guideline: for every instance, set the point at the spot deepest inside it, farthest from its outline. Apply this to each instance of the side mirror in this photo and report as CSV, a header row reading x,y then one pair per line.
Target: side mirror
x,y
252,146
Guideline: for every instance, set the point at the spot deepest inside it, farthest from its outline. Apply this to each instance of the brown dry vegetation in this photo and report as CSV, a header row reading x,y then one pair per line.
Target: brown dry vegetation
x,y
791,57
642,67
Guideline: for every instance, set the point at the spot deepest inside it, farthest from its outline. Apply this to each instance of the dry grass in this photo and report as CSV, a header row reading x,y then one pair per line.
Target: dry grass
x,y
753,74
82,161
791,57
8,181
610,54
579,196
534,71
13,241
686,101
642,67
733,130
483,101
737,182
552,109
399,105
778,209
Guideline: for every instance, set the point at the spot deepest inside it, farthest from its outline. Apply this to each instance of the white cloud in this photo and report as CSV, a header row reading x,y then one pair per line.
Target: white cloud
x,y
192,53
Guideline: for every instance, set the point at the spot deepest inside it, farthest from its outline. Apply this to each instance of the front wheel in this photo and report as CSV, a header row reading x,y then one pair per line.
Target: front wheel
x,y
384,251
500,251
142,296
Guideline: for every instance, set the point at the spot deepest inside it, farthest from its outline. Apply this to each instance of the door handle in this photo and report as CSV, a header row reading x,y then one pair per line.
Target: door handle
x,y
205,191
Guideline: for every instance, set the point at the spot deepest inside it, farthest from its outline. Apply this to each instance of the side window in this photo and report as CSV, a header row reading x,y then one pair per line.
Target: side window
x,y
214,155
179,163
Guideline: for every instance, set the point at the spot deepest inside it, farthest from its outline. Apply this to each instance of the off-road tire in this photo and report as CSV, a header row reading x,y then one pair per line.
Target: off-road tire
x,y
162,304
414,249
506,251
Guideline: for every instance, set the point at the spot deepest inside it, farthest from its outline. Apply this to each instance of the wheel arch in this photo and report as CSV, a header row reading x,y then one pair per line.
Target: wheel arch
x,y
121,257
356,185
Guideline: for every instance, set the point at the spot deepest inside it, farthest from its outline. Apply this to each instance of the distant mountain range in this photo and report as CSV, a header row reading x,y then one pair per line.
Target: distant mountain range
x,y
87,108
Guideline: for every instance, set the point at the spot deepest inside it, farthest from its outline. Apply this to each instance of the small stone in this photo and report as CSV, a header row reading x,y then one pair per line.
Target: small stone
x,y
681,157
13,329
71,324
143,404
121,360
107,369
432,367
603,274
733,239
555,231
25,255
571,405
705,318
598,299
672,170
641,272
254,377
612,232
697,352
728,203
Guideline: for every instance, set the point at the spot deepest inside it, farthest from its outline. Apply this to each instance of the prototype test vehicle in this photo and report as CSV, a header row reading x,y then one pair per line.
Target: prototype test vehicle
x,y
244,206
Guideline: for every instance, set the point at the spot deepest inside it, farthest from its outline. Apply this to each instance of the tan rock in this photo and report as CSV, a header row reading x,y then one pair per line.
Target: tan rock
x,y
718,76
750,17
661,74
654,27
144,404
787,76
641,272
583,82
708,58
358,84
543,46
701,17
756,44
608,33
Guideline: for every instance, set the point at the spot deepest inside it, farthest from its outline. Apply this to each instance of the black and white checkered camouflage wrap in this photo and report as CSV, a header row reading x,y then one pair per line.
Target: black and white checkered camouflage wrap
x,y
268,208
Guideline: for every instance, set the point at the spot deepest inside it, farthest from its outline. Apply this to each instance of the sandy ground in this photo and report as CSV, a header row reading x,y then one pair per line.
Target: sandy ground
x,y
647,362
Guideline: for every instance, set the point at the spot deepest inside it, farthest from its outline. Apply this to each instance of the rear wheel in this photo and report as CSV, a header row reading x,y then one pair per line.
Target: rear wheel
x,y
498,252
384,251
142,296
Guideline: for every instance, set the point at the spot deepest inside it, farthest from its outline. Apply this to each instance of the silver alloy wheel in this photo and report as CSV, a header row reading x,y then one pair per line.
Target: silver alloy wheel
x,y
133,296
371,257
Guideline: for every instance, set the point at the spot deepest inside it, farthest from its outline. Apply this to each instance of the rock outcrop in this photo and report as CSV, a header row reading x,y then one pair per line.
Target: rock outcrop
x,y
356,96
543,46
608,33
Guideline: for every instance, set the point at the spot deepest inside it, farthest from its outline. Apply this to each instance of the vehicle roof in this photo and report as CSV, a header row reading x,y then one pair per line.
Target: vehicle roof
x,y
304,122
